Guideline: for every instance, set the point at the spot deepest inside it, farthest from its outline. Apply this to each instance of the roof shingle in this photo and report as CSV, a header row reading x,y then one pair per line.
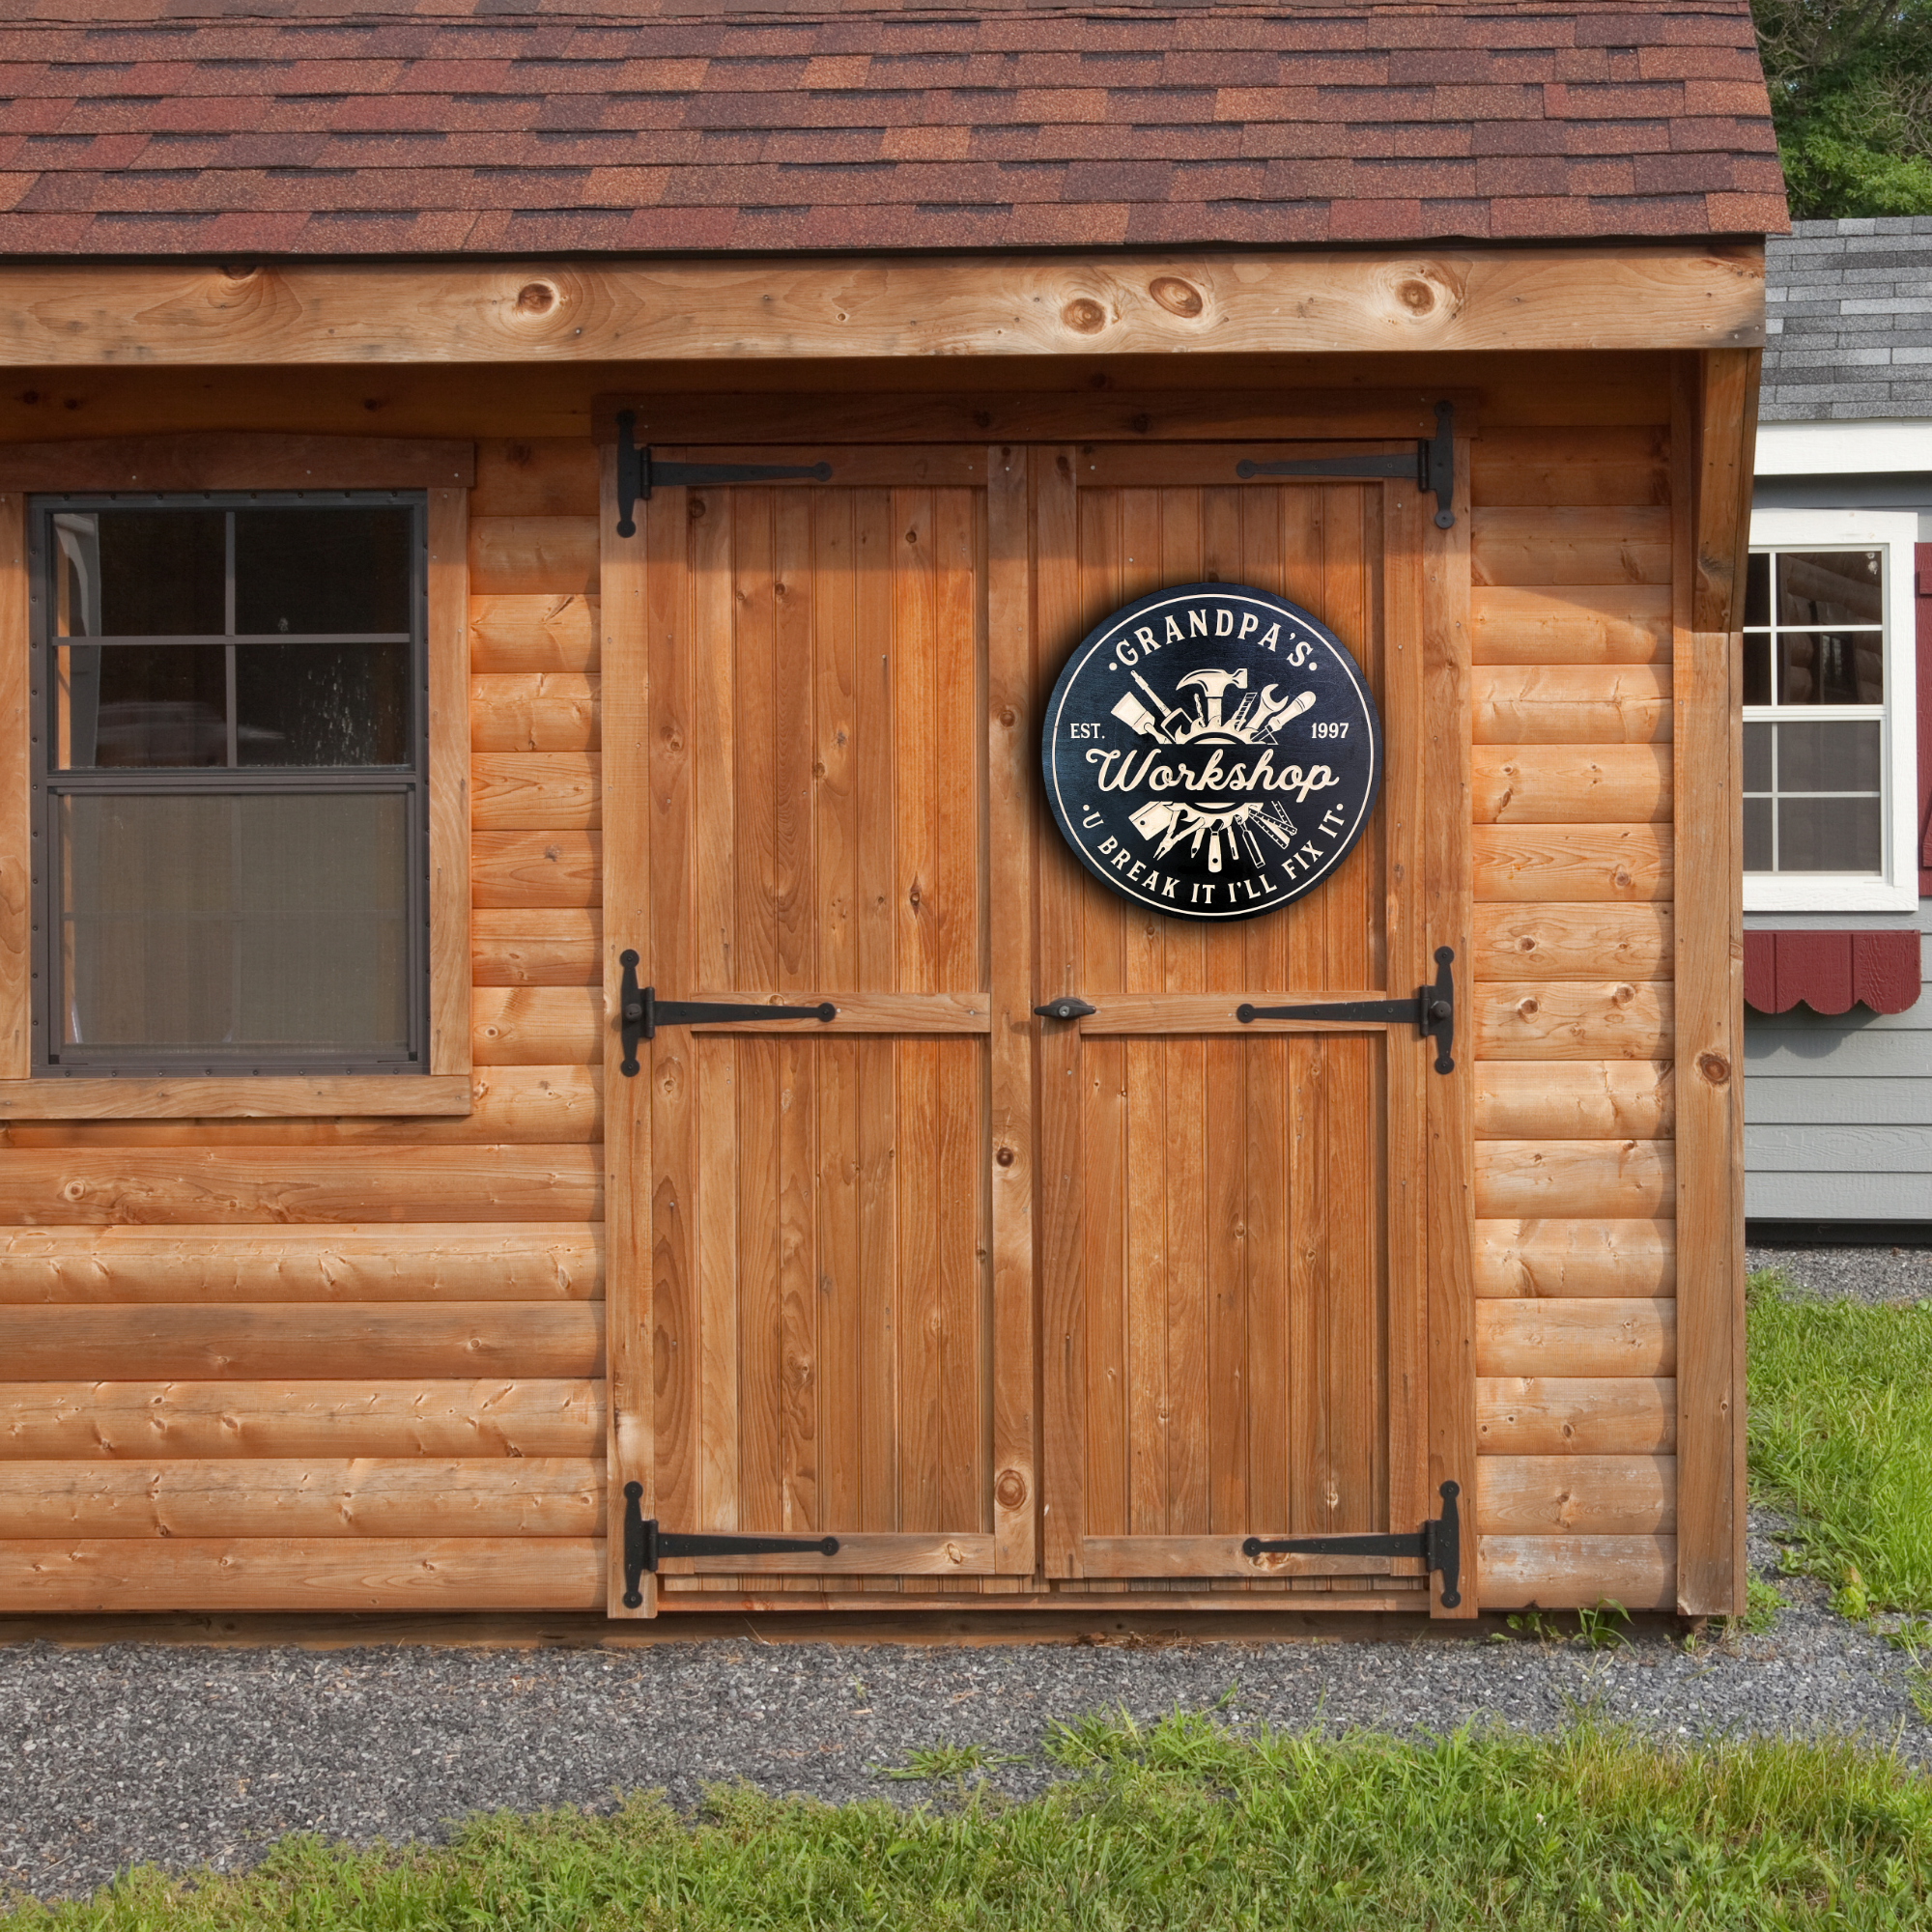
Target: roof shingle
x,y
301,128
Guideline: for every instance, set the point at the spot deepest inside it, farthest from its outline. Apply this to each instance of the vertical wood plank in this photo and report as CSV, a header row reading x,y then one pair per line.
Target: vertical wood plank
x,y
1403,809
1013,737
915,811
875,537
835,893
758,906
705,610
672,1074
449,641
1447,896
627,1113
1062,1194
1713,420
795,901
16,985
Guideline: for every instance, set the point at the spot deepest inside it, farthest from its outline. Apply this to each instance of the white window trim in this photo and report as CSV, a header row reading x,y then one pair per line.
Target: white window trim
x,y
1893,532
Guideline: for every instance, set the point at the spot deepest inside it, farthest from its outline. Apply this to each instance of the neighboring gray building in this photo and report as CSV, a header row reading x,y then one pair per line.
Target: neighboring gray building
x,y
1838,734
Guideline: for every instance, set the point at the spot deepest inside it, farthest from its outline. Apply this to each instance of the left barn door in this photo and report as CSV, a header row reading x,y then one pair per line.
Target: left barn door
x,y
798,810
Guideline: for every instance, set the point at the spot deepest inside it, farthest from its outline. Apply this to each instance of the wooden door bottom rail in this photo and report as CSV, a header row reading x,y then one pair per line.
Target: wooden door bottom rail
x,y
867,1552
1129,1556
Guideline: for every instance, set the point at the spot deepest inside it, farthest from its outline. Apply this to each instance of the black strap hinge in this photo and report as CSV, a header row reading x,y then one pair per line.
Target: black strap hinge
x,y
640,1012
1432,467
1433,1010
646,1544
640,473
1438,1543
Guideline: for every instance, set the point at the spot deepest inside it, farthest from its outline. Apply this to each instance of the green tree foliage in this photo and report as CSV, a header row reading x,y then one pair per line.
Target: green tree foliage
x,y
1851,94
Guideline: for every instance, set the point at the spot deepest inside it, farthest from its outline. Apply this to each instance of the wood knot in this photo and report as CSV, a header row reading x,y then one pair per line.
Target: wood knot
x,y
1176,297
982,418
913,897
1007,715
912,536
1416,295
1527,1008
1622,996
1010,1490
1621,879
1083,316
1005,1156
1526,943
535,298
695,508
1715,1067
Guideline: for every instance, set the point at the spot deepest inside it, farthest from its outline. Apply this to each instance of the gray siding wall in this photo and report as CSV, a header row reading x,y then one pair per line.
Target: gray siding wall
x,y
1838,1108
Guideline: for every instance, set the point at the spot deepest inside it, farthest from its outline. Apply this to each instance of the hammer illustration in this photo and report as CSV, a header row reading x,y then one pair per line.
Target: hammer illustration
x,y
1214,685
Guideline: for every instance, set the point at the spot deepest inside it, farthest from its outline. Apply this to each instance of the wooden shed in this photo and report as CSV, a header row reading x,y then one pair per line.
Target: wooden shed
x,y
562,1047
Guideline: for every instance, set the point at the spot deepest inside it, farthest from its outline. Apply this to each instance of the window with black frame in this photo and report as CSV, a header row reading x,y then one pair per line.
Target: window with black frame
x,y
229,762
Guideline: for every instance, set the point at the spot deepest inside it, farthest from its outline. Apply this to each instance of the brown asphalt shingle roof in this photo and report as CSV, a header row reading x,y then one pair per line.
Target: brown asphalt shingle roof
x,y
133,127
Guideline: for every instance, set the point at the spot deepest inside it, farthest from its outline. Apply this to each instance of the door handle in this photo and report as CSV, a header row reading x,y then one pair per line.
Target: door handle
x,y
1066,1007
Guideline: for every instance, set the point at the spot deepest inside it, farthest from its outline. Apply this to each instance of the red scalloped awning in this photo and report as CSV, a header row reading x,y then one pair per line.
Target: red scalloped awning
x,y
1831,971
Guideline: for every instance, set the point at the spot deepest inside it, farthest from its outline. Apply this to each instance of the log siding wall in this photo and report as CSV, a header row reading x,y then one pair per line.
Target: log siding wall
x,y
354,1364
359,1363
1572,1024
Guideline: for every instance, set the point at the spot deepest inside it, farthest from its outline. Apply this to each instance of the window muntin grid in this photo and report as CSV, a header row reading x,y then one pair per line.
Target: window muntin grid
x,y
297,752
1815,752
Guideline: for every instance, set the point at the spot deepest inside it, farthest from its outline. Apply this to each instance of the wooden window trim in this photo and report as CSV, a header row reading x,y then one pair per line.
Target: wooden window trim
x,y
242,460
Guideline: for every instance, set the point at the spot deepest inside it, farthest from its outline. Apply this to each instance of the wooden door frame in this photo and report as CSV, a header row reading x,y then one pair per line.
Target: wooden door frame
x,y
644,755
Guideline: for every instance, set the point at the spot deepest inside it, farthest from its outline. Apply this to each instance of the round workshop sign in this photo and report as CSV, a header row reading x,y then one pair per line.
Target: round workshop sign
x,y
1211,752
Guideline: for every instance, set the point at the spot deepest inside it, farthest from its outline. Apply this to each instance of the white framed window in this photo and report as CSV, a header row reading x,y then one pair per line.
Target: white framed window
x,y
1830,716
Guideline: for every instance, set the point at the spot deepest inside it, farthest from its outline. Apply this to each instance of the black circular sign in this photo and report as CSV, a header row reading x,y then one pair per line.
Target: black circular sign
x,y
1211,752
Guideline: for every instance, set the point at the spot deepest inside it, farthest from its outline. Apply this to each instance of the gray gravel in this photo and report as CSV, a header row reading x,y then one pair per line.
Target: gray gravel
x,y
1856,1274
188,1756
185,1756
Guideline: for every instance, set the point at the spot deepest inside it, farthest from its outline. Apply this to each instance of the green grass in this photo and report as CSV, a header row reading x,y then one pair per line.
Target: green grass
x,y
1841,1435
1178,1825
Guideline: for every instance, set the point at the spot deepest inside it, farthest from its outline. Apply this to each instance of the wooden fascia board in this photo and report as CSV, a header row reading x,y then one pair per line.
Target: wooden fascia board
x,y
1667,296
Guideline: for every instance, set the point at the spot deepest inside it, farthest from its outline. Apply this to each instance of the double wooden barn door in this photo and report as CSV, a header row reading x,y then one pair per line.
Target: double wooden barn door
x,y
937,1295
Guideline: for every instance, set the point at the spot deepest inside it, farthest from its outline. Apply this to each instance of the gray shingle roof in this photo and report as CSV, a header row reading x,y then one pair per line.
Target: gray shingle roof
x,y
1848,321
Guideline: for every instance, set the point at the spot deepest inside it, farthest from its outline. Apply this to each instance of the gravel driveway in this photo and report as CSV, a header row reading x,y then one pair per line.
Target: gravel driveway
x,y
187,1756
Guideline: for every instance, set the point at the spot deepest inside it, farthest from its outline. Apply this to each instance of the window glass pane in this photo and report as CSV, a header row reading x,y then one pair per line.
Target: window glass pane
x,y
1829,834
1828,757
323,704
139,573
308,570
1757,834
148,705
1831,667
1829,587
1757,756
1757,667
274,923
1757,589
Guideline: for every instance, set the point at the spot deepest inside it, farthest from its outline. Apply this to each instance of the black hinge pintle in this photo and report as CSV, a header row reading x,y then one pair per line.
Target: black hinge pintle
x,y
646,1544
640,1012
1433,471
1433,1010
640,473
1438,1543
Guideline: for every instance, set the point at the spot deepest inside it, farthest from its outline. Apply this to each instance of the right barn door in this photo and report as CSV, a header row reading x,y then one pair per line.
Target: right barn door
x,y
1235,1238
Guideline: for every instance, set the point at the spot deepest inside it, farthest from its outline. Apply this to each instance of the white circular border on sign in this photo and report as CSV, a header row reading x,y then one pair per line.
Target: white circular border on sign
x,y
1074,691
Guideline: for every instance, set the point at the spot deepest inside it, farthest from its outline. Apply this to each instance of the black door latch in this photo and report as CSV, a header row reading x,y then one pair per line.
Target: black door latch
x,y
640,473
1066,1007
1440,1544
646,1544
640,1012
1433,1010
1432,467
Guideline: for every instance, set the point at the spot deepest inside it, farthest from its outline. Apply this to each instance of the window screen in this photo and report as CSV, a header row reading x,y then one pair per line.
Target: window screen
x,y
1814,711
229,760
